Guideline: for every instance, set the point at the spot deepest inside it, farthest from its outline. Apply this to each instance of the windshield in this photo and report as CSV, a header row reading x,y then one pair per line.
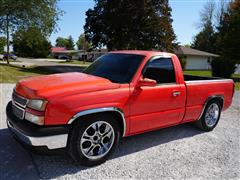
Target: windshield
x,y
118,68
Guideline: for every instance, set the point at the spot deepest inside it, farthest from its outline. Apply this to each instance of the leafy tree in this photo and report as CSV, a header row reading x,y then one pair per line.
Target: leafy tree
x,y
144,24
68,43
3,43
31,43
228,41
61,42
82,43
230,32
16,14
205,40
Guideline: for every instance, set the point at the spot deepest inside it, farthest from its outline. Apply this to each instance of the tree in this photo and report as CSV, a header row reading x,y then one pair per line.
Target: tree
x,y
68,43
144,24
31,43
230,29
15,14
3,43
61,42
205,40
228,41
83,44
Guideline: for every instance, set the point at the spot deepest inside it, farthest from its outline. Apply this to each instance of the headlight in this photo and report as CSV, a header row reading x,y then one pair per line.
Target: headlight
x,y
37,104
39,120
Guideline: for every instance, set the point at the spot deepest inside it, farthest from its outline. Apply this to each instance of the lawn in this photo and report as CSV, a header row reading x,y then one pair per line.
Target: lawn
x,y
236,77
11,74
206,73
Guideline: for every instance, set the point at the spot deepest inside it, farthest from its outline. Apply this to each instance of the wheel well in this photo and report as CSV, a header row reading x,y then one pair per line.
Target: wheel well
x,y
217,98
115,114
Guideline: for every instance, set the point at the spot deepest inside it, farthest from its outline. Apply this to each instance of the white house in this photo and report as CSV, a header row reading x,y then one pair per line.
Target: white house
x,y
195,59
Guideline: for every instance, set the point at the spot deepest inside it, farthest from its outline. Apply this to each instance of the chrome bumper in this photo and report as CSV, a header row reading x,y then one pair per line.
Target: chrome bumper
x,y
52,142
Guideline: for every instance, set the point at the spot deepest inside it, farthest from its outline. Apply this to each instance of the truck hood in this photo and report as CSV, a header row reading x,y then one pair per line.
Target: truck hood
x,y
62,84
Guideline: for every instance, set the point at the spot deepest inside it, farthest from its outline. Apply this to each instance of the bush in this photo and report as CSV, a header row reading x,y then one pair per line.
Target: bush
x,y
221,67
183,62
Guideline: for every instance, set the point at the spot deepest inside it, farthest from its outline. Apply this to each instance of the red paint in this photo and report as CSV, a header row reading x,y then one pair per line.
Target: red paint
x,y
35,112
145,108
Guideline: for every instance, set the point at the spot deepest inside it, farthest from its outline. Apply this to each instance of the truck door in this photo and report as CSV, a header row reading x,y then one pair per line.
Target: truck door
x,y
161,105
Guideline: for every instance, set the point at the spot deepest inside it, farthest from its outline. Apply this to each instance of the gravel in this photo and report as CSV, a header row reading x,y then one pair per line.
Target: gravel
x,y
181,152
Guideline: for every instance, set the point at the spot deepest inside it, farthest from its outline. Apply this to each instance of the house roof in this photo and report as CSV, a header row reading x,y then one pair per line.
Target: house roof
x,y
182,50
58,49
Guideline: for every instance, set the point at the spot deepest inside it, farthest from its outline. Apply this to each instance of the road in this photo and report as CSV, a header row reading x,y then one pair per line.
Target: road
x,y
175,153
52,66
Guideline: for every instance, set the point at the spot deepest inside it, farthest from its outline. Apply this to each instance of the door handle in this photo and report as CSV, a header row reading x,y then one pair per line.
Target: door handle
x,y
176,93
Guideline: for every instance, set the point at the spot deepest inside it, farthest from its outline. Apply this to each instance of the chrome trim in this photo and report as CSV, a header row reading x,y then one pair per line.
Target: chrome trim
x,y
52,142
206,81
207,100
21,97
18,107
97,140
98,110
212,115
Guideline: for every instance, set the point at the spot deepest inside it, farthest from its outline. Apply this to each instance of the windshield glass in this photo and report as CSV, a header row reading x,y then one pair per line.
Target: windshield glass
x,y
118,68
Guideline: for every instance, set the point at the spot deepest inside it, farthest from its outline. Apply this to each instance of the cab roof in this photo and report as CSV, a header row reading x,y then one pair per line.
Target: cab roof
x,y
143,52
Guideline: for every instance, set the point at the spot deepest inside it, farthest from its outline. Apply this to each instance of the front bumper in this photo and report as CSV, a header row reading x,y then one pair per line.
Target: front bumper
x,y
52,137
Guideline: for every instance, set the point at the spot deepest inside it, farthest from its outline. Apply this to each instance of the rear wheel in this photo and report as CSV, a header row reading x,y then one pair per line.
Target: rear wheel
x,y
210,116
94,139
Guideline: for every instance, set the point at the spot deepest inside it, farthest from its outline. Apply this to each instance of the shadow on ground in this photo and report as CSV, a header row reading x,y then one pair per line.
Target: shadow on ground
x,y
15,162
61,165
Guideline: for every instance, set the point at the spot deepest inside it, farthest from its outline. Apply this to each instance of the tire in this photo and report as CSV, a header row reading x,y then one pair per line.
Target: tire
x,y
93,139
210,116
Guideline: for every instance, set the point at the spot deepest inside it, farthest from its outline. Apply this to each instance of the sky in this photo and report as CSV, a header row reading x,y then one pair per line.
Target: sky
x,y
185,14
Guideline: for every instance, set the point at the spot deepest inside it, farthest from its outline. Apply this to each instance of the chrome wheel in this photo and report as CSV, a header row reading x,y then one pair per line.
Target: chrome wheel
x,y
97,140
212,114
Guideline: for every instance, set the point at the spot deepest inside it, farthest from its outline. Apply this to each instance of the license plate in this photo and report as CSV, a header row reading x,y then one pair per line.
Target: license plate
x,y
18,112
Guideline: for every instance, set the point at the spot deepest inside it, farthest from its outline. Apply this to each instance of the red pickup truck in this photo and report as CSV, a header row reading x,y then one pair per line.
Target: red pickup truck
x,y
122,93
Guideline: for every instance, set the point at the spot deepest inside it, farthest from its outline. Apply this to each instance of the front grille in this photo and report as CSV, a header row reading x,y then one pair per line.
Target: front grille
x,y
19,104
19,100
17,111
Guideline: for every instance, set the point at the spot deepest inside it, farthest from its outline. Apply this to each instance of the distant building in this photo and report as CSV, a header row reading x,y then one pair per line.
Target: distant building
x,y
195,59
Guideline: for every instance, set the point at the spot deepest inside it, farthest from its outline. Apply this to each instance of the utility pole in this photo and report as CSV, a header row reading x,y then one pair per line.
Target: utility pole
x,y
7,24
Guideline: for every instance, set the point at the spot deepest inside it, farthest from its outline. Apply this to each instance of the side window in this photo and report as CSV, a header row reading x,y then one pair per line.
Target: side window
x,y
161,70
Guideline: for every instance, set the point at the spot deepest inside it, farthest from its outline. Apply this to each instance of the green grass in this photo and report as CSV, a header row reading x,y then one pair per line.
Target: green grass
x,y
76,62
11,74
237,86
236,77
199,73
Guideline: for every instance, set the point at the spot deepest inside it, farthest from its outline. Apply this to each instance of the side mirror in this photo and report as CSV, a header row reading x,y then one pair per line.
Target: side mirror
x,y
147,82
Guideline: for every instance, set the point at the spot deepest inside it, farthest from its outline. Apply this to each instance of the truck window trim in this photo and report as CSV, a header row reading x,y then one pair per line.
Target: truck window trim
x,y
164,57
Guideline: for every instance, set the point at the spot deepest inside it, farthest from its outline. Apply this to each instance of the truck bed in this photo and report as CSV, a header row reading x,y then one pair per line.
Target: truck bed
x,y
201,88
199,78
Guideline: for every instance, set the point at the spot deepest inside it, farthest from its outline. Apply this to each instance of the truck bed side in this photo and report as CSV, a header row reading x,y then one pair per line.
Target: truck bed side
x,y
200,89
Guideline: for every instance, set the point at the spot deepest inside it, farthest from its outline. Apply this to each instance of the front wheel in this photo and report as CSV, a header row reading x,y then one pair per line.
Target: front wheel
x,y
210,116
94,139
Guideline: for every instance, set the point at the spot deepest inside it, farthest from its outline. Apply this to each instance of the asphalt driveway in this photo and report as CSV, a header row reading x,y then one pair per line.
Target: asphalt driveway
x,y
175,153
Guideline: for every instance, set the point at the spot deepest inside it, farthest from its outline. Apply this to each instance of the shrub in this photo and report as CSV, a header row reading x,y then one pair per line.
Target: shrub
x,y
183,61
222,67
